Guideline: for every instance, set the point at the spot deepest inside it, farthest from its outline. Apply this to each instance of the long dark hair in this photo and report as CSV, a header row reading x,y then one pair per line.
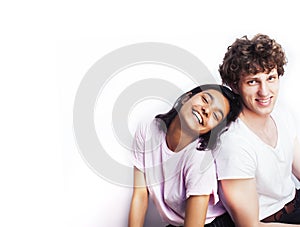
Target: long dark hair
x,y
209,139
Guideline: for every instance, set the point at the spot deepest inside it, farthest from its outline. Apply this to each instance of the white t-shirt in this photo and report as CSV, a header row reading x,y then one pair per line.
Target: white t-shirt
x,y
172,177
242,154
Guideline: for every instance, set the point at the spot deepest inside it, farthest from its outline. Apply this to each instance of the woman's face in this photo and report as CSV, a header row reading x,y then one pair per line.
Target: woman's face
x,y
202,112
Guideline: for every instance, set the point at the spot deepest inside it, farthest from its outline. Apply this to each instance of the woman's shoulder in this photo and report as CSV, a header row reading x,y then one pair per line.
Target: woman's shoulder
x,y
203,159
150,127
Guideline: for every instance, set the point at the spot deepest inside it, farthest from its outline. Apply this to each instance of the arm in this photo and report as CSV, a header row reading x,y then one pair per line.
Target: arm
x,y
139,201
296,159
242,203
195,211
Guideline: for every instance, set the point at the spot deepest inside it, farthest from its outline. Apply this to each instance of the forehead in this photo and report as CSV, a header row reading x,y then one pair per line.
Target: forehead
x,y
219,100
216,94
260,75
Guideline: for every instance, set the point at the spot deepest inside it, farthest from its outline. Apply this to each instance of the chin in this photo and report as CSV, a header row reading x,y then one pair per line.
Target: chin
x,y
265,113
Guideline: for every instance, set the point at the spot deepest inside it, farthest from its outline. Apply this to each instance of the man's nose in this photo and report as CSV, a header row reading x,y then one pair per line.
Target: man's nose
x,y
263,89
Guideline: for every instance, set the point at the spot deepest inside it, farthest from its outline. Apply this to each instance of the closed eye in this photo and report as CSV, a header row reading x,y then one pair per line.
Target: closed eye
x,y
215,115
207,98
204,99
218,116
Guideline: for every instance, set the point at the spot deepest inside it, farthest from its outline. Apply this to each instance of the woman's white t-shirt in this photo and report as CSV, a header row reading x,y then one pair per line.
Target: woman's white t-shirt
x,y
171,177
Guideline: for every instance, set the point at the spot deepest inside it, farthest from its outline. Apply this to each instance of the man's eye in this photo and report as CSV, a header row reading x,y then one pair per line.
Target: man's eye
x,y
251,82
271,78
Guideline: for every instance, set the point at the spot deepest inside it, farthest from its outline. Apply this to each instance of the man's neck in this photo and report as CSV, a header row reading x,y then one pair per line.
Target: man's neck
x,y
255,120
261,125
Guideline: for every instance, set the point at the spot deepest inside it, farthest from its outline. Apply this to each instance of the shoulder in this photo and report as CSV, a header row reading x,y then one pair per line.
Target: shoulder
x,y
236,134
146,128
236,155
146,139
203,161
238,142
200,174
285,118
282,111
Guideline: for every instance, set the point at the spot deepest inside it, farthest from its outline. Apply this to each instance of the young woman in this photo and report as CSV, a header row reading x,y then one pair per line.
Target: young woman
x,y
173,161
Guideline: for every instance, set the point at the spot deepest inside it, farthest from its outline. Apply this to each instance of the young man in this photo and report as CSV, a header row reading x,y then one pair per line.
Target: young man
x,y
260,151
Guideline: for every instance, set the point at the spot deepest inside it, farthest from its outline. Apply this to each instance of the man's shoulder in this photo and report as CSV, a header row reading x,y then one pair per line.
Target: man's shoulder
x,y
237,142
237,138
235,130
284,110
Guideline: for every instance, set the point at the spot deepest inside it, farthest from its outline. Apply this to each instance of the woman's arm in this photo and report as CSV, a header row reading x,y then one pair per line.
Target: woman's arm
x,y
242,203
139,201
195,212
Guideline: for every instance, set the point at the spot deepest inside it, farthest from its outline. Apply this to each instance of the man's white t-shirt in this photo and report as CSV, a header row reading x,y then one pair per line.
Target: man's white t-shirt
x,y
242,154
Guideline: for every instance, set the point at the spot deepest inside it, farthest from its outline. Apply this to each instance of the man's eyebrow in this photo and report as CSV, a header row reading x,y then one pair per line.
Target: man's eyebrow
x,y
273,74
249,77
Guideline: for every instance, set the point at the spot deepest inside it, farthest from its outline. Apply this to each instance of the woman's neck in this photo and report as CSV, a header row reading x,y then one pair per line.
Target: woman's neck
x,y
176,137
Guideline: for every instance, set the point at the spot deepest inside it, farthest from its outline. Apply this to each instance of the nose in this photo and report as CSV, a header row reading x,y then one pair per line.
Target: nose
x,y
206,110
263,89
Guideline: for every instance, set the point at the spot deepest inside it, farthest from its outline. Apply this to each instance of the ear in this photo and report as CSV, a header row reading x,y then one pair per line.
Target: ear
x,y
186,97
235,88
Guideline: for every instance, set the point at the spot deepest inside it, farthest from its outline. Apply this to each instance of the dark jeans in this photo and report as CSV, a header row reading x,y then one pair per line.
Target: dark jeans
x,y
293,217
222,221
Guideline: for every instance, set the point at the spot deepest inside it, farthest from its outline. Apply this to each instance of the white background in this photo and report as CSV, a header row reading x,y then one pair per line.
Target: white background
x,y
45,50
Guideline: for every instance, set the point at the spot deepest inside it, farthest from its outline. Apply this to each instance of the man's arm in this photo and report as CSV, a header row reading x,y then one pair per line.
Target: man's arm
x,y
296,159
242,203
139,201
195,212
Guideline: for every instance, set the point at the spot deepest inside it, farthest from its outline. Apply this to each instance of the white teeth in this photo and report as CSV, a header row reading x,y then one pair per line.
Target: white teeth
x,y
264,100
198,116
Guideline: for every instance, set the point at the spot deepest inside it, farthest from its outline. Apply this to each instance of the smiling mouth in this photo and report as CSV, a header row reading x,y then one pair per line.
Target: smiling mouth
x,y
264,101
198,116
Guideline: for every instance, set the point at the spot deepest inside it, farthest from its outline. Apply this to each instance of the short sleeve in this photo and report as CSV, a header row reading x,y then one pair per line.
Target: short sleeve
x,y
291,122
235,158
200,175
138,147
283,111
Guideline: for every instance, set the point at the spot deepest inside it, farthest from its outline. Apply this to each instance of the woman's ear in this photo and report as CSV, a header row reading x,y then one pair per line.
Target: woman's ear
x,y
186,97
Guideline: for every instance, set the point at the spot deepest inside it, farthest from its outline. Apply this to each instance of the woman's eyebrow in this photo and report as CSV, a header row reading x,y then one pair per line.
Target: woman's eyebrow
x,y
210,95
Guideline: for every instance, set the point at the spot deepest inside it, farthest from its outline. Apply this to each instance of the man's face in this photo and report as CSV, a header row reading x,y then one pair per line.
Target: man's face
x,y
259,92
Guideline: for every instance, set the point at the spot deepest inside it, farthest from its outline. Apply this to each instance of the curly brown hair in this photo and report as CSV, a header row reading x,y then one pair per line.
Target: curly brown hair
x,y
251,56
